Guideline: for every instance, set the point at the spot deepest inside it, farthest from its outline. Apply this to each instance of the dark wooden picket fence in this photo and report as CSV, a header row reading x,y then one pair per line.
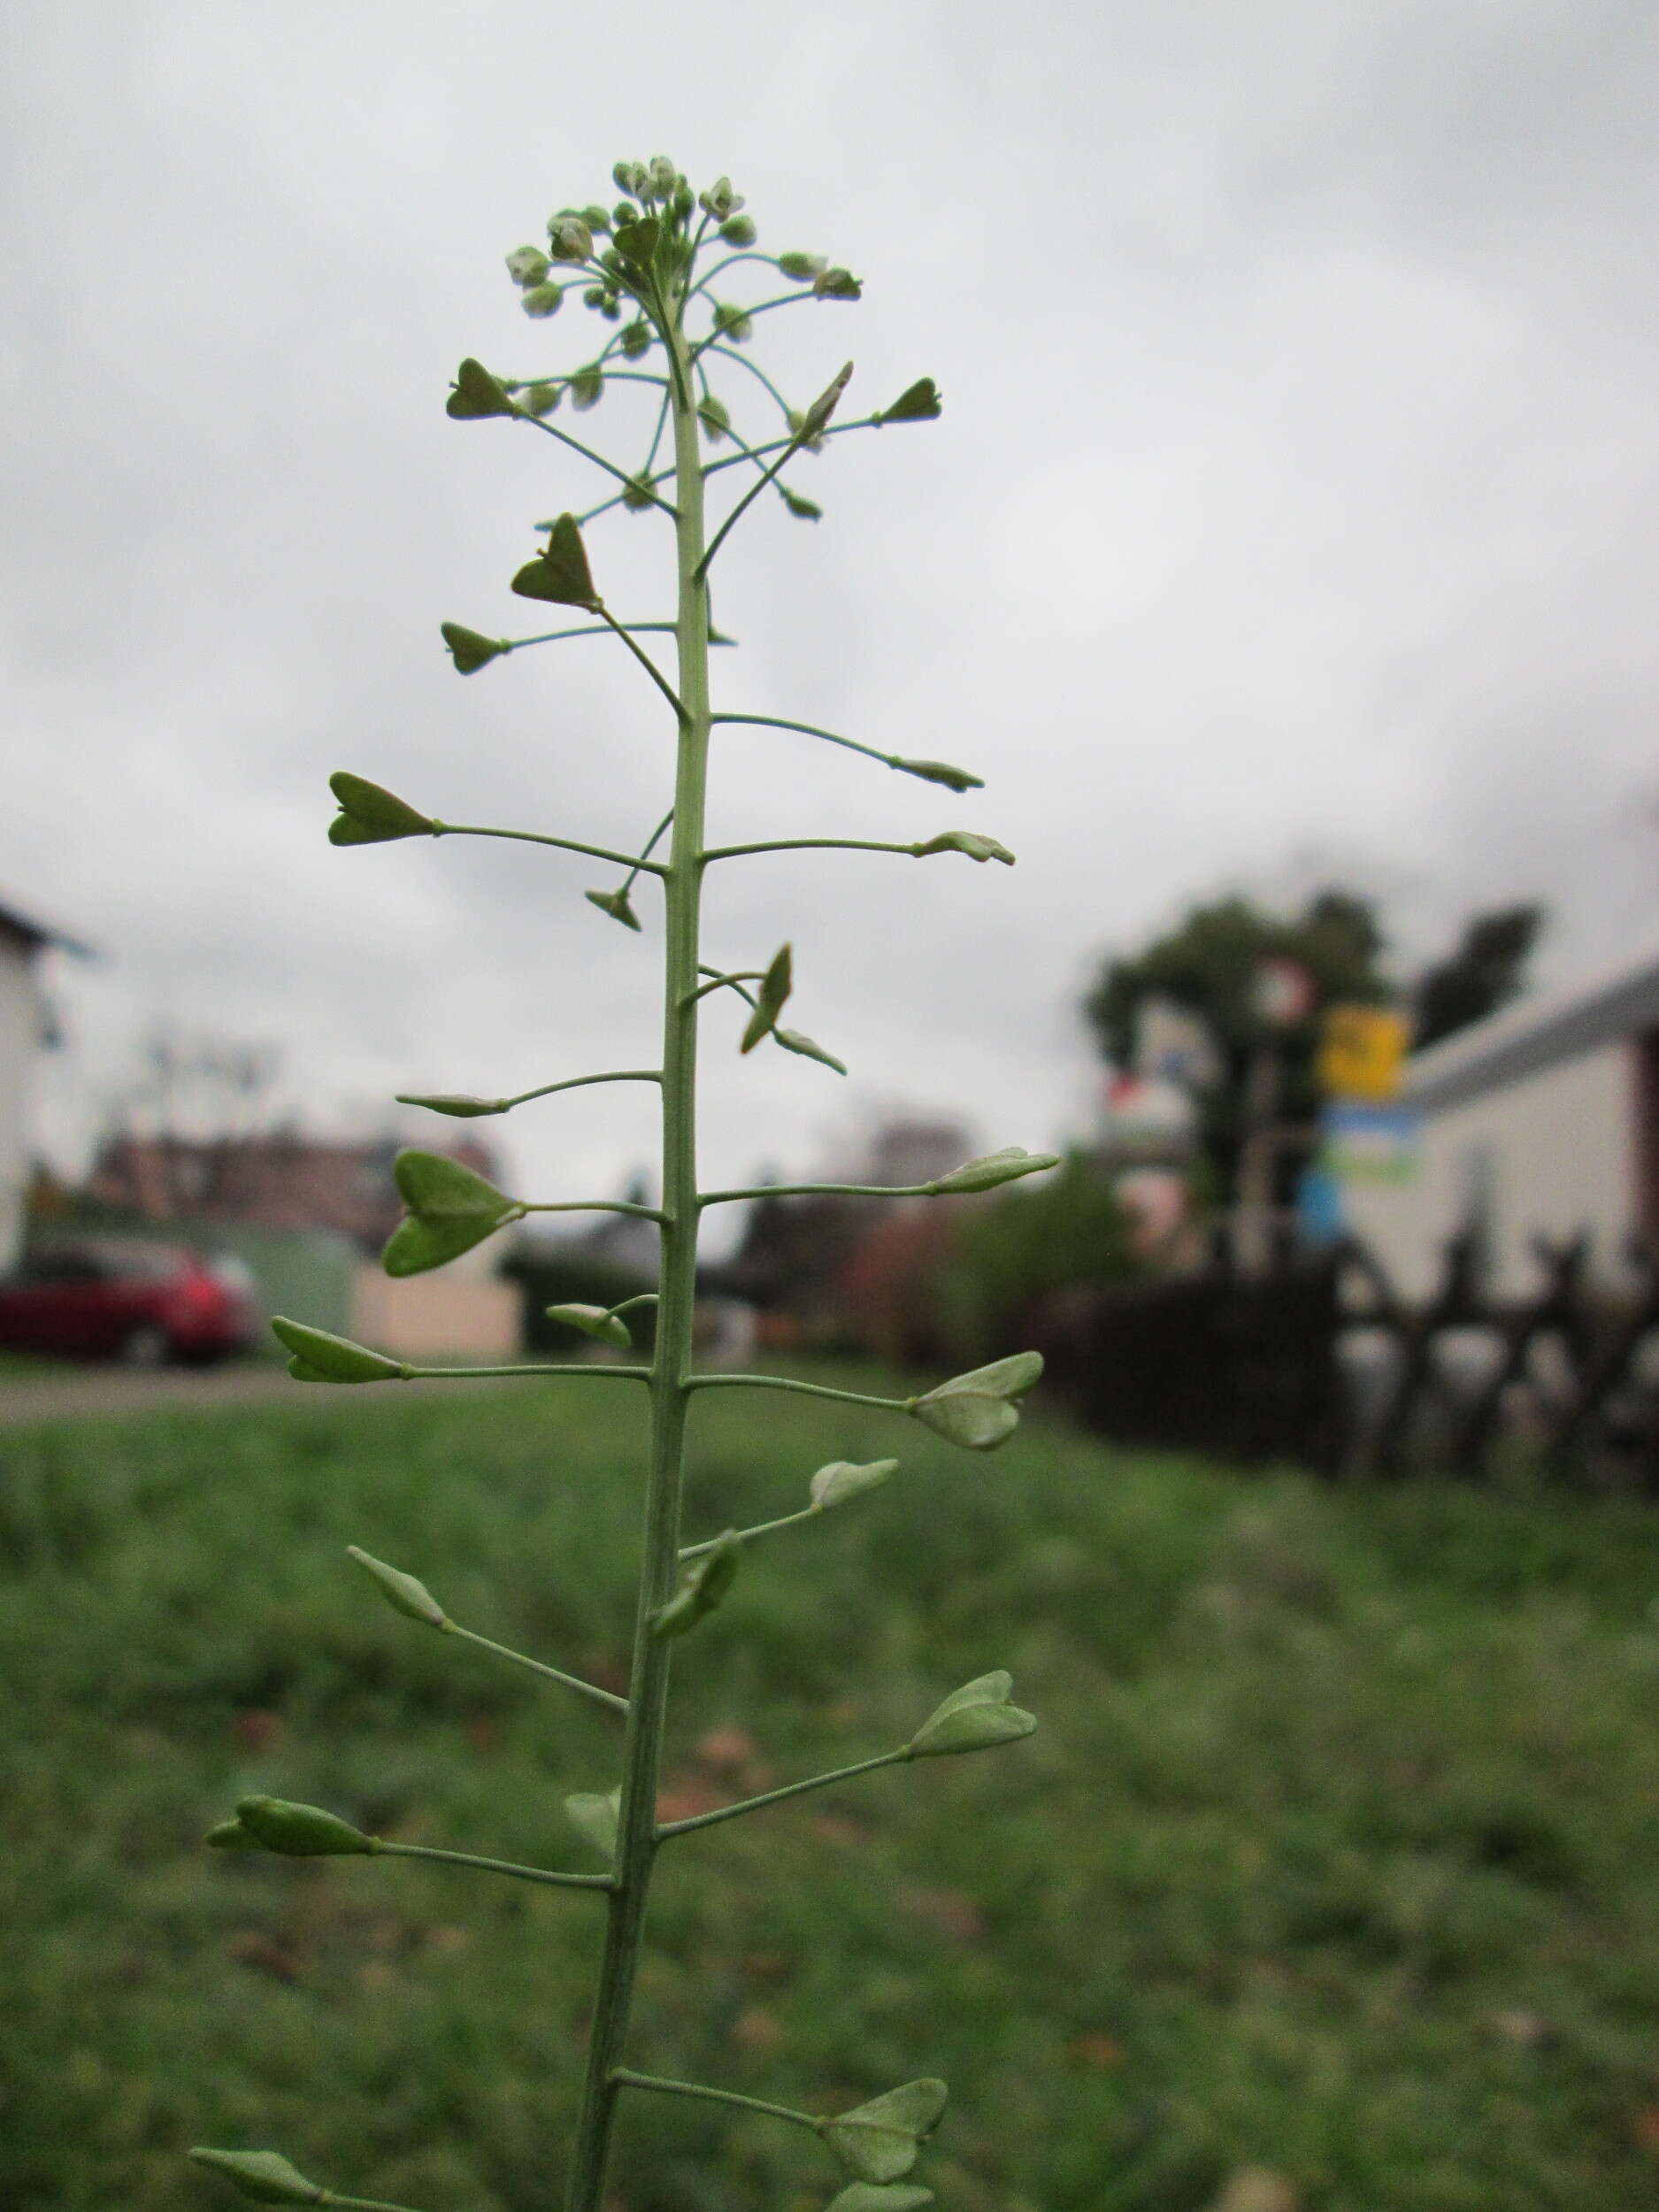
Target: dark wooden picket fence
x,y
1320,1360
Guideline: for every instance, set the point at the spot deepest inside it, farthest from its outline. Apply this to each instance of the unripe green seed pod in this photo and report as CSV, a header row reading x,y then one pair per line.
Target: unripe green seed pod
x,y
992,1170
617,905
636,339
801,268
542,300
300,1832
587,388
775,987
715,419
941,771
265,2175
403,1593
916,403
803,510
793,1041
973,1718
477,394
837,284
597,1322
370,815
560,572
542,399
470,650
321,1356
459,1103
705,1584
974,843
879,2141
739,230
978,1409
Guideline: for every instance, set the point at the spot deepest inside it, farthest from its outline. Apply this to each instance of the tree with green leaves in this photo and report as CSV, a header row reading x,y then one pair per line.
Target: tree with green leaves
x,y
661,271
1210,965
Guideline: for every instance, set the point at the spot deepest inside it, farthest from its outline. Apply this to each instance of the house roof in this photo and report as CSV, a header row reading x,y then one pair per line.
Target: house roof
x,y
1537,1032
35,932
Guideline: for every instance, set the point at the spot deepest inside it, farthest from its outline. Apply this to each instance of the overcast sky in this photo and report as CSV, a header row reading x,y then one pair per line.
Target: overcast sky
x,y
1294,513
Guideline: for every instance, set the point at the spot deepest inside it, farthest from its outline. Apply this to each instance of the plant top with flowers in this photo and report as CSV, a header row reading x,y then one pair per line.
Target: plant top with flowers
x,y
659,267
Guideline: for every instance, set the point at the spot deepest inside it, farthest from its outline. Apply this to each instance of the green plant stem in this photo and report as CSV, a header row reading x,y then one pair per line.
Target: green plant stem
x,y
537,1666
564,844
789,1789
597,1368
659,1572
810,729
587,453
626,2078
788,1382
586,629
823,1190
812,844
358,2204
382,1849
651,670
728,982
546,1090
591,1206
748,1535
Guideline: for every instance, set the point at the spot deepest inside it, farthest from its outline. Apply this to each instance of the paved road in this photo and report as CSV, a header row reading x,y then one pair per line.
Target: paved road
x,y
80,1393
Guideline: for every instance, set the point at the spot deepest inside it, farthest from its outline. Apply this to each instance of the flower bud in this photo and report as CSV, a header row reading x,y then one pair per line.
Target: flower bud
x,y
477,394
526,266
973,1718
837,284
265,2175
628,177
719,200
570,238
663,177
801,268
738,230
974,842
403,1593
321,1356
299,1831
371,815
596,219
775,987
468,649
542,300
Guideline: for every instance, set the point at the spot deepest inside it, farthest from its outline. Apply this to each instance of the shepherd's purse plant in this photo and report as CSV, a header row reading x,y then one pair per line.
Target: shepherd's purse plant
x,y
658,271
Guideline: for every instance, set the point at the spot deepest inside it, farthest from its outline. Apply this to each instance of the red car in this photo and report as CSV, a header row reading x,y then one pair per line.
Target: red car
x,y
145,1303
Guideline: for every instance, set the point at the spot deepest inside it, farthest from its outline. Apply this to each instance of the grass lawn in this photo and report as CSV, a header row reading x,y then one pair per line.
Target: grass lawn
x,y
1335,1854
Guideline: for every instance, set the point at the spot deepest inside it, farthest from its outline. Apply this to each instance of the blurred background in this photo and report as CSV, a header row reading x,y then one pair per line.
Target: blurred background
x,y
1284,562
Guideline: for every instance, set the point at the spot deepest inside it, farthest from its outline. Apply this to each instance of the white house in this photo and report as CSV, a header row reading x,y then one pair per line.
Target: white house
x,y
22,1030
1545,1117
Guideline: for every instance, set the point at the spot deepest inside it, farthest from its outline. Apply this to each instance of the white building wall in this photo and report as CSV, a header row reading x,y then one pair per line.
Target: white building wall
x,y
19,1040
1552,1152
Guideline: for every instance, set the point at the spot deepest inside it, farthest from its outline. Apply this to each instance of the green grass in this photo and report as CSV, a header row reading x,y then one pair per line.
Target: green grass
x,y
1336,1852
